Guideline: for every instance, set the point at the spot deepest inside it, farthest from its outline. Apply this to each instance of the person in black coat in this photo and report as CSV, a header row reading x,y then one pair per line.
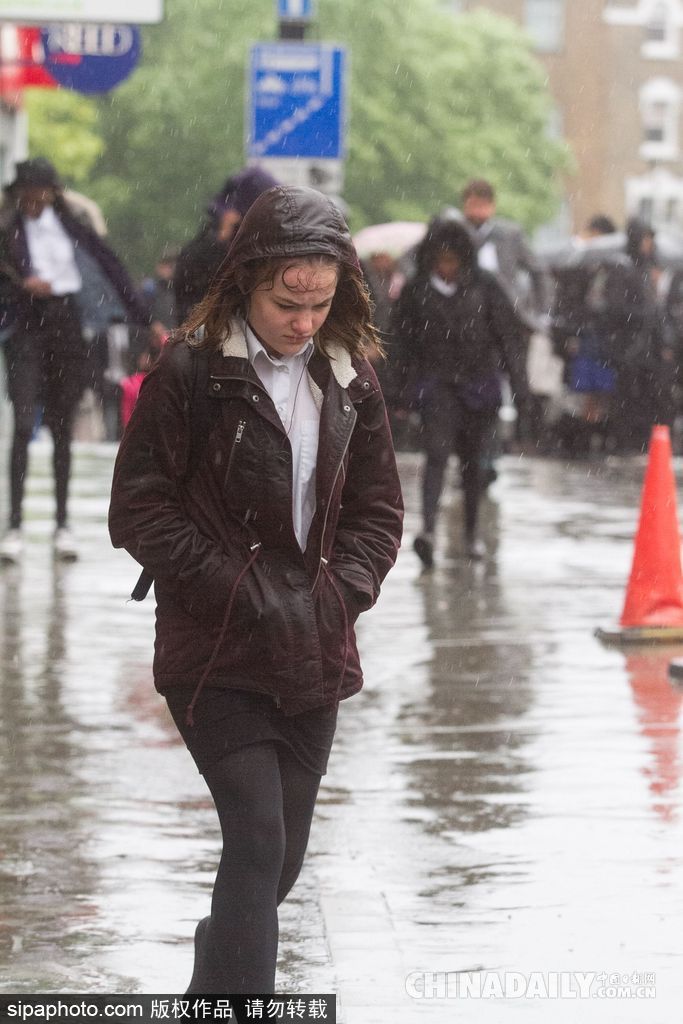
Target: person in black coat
x,y
200,260
454,331
268,521
46,355
632,321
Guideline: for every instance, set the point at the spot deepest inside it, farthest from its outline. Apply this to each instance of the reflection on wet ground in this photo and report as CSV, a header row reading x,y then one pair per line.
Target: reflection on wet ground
x,y
504,795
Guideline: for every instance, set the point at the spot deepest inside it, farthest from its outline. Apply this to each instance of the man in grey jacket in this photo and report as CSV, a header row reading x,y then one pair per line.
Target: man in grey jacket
x,y
504,251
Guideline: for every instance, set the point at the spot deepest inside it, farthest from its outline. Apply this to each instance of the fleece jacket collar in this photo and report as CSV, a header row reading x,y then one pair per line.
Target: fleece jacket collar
x,y
235,345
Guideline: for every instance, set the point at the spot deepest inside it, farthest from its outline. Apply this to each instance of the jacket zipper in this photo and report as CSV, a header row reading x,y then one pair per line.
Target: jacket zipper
x,y
237,440
327,511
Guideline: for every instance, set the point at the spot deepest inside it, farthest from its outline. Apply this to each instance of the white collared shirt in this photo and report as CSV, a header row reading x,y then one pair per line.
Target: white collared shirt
x,y
286,381
447,288
52,253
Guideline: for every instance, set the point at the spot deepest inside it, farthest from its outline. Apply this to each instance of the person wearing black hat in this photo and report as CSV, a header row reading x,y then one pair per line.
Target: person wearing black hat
x,y
45,352
200,260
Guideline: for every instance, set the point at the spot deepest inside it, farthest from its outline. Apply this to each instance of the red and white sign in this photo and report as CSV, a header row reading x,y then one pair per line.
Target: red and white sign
x,y
21,62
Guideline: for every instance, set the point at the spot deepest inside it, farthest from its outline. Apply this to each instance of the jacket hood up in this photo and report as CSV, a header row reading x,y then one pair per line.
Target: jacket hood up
x,y
449,233
240,191
291,221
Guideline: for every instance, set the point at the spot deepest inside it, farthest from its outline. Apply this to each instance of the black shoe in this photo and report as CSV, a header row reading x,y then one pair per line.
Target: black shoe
x,y
423,546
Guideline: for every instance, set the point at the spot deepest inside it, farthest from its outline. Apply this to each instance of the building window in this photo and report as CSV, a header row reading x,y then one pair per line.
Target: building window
x,y
660,40
660,101
656,122
544,21
657,28
656,197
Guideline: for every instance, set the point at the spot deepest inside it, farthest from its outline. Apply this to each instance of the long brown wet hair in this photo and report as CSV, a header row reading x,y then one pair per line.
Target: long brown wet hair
x,y
348,323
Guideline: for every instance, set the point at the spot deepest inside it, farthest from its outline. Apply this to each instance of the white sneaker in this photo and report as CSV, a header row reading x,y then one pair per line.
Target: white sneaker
x,y
11,547
65,548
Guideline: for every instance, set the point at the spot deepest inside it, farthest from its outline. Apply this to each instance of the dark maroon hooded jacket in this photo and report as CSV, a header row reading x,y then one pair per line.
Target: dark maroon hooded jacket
x,y
238,603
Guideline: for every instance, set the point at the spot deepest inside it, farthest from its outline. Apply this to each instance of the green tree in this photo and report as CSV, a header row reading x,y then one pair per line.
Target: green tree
x,y
437,99
434,99
64,126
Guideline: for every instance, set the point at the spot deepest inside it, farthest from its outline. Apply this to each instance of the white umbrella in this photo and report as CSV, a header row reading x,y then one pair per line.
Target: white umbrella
x,y
394,238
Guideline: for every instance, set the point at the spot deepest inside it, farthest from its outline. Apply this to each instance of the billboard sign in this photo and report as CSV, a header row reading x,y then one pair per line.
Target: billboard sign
x,y
297,101
41,12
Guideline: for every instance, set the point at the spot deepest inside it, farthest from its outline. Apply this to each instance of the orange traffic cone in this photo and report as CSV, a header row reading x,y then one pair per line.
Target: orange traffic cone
x,y
653,609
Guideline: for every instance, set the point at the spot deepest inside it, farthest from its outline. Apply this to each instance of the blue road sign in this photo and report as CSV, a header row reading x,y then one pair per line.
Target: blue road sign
x,y
90,58
295,10
296,99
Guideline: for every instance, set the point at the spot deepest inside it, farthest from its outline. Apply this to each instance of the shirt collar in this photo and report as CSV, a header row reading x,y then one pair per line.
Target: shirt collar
x,y
256,350
446,288
47,219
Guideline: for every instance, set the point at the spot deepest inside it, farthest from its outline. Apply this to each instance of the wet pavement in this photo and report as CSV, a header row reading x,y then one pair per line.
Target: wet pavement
x,y
504,797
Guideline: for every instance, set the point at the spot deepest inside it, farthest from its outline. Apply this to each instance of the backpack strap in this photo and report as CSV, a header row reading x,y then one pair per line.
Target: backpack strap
x,y
203,414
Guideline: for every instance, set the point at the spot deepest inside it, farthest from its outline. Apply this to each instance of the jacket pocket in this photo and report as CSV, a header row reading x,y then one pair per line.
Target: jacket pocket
x,y
262,626
336,612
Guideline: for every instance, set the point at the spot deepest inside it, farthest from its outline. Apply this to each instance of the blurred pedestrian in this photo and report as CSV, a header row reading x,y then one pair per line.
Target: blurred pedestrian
x,y
199,260
634,325
42,248
455,330
158,291
581,337
256,482
503,250
598,226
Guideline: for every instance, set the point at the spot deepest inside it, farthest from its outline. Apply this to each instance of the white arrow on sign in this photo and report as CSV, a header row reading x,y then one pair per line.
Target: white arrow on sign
x,y
293,8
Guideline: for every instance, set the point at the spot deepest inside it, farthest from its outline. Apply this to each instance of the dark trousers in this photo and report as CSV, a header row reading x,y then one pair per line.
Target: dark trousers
x,y
45,370
449,425
643,396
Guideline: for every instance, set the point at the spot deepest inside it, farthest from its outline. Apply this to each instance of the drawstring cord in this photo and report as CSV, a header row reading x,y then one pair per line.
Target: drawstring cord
x,y
189,714
345,617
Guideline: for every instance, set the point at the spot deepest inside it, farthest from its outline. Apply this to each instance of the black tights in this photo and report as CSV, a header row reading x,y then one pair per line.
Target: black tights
x,y
61,463
265,799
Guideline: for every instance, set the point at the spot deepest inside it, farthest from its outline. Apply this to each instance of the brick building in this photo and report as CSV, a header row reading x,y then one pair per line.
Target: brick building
x,y
615,71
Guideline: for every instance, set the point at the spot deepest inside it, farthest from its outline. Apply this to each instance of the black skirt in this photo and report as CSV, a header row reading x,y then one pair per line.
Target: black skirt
x,y
226,720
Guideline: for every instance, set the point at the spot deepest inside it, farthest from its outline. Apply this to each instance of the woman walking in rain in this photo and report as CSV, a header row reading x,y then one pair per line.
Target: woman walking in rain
x,y
454,330
257,483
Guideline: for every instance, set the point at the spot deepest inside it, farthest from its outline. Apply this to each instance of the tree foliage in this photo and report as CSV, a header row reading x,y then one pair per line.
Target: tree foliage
x,y
65,126
434,99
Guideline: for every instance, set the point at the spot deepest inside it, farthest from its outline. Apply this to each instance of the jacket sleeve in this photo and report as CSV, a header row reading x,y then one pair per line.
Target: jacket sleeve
x,y
511,338
405,333
540,283
146,515
370,524
108,262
